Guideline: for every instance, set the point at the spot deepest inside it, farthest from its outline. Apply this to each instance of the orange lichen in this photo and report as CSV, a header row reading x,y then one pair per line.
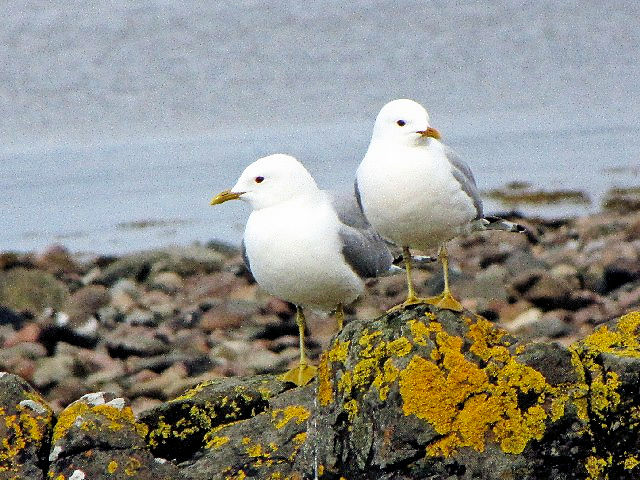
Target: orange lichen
x,y
464,401
486,340
325,388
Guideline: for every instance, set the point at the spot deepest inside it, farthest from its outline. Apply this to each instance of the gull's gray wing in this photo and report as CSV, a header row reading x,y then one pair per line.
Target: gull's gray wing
x,y
245,257
363,249
462,173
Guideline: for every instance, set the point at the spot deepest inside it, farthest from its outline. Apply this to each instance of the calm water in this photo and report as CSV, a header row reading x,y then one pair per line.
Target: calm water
x,y
120,112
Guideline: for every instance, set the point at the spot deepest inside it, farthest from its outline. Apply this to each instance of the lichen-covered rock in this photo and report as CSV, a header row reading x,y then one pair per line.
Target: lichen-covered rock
x,y
264,446
25,426
97,436
420,393
434,394
180,428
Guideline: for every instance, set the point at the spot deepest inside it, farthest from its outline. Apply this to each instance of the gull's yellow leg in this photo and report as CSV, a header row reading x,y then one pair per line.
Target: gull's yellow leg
x,y
303,373
446,300
412,298
339,317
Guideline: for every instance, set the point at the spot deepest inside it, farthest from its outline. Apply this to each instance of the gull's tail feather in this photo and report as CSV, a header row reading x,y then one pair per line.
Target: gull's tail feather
x,y
497,223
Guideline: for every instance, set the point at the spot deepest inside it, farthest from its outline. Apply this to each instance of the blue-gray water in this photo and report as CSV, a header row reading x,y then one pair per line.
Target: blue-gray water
x,y
125,111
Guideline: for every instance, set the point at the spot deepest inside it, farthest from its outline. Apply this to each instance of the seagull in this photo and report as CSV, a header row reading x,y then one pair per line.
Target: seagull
x,y
305,245
418,193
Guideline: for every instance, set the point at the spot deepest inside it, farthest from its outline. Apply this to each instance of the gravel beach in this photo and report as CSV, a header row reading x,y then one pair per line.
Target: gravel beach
x,y
151,324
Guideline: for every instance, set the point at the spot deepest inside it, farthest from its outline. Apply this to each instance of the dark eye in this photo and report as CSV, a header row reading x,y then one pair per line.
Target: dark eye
x,y
401,123
259,179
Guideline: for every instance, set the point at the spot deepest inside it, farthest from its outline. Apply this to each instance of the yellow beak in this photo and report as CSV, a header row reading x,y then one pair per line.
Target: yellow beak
x,y
431,132
224,197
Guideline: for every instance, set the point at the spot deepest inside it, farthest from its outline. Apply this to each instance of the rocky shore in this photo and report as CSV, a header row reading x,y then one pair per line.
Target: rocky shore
x,y
420,393
149,325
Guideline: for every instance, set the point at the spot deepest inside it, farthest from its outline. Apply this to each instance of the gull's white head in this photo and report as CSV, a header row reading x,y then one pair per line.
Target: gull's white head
x,y
269,181
403,121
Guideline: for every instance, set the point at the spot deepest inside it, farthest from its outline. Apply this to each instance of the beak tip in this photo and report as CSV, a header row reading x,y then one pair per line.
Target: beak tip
x,y
224,197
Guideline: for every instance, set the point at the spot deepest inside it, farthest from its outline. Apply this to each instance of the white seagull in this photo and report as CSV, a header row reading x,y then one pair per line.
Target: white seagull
x,y
417,193
305,245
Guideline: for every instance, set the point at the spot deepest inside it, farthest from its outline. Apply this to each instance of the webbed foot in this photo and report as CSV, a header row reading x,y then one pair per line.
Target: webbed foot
x,y
299,375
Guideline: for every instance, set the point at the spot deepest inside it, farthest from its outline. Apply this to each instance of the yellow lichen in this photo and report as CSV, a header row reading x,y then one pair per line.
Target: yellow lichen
x,y
399,347
365,342
132,467
631,462
420,332
385,378
345,384
463,401
112,467
338,353
604,395
22,428
622,341
300,438
595,467
240,475
256,451
217,442
486,340
300,413
351,407
325,388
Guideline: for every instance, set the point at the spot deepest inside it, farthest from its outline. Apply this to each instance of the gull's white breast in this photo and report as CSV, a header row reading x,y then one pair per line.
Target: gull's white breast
x,y
409,194
294,251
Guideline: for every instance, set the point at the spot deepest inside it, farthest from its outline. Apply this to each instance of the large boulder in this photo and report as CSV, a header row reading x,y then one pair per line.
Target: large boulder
x,y
98,437
25,429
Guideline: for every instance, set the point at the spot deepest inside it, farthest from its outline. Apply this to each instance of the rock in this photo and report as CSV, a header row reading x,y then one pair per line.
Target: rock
x,y
158,303
29,333
125,285
122,302
418,393
51,370
622,200
158,363
86,302
489,283
182,427
218,318
31,290
525,321
161,386
464,393
618,273
139,317
181,260
167,282
26,422
126,341
450,385
56,260
9,317
98,437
